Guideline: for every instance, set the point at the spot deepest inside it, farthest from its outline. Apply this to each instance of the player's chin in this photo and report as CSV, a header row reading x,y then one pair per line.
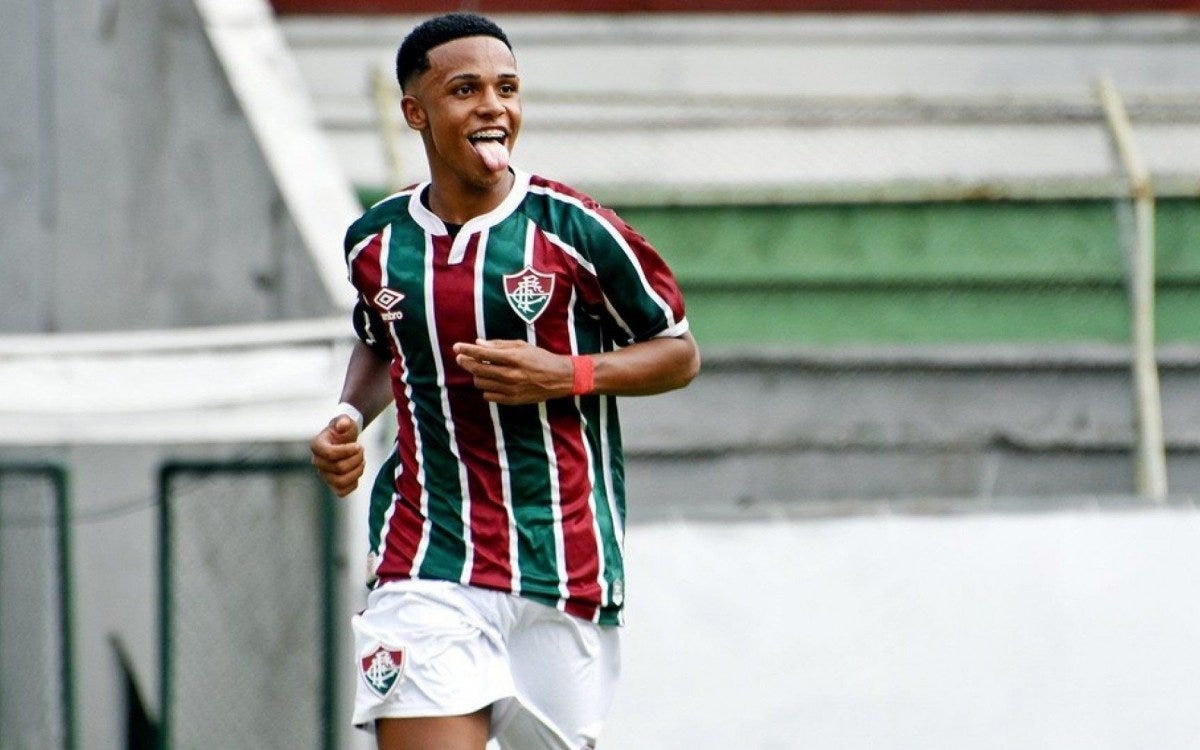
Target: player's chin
x,y
486,181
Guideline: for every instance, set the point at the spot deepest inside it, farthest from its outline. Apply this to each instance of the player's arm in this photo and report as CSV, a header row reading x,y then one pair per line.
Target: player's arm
x,y
336,452
517,372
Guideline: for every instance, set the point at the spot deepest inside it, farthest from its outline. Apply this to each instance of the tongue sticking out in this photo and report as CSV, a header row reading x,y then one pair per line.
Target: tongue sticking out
x,y
493,153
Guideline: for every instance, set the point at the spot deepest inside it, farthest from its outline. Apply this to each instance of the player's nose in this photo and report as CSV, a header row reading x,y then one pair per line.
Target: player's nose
x,y
490,103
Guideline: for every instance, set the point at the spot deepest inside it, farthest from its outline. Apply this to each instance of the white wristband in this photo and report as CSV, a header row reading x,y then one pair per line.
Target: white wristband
x,y
350,411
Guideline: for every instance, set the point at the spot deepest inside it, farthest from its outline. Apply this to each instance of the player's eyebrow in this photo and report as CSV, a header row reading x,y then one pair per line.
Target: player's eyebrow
x,y
472,77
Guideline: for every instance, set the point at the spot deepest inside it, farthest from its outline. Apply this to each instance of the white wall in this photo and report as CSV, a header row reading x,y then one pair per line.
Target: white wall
x,y
1070,629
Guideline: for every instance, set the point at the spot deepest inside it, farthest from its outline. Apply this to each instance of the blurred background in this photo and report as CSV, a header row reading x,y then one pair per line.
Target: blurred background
x,y
934,487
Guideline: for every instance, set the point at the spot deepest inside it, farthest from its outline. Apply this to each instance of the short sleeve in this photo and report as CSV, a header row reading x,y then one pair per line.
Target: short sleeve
x,y
371,329
641,294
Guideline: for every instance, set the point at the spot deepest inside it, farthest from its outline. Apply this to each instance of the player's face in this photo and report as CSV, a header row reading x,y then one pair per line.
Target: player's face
x,y
467,107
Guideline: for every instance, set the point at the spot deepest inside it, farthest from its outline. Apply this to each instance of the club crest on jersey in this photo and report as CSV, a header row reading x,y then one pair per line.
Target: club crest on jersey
x,y
385,299
528,292
382,668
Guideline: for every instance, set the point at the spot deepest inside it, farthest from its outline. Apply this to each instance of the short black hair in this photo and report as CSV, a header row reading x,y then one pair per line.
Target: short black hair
x,y
413,56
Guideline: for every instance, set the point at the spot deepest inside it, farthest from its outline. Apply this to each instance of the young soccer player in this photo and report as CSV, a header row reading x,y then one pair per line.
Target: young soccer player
x,y
503,312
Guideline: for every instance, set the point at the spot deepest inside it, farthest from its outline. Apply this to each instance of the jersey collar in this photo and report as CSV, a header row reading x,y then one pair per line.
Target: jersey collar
x,y
430,222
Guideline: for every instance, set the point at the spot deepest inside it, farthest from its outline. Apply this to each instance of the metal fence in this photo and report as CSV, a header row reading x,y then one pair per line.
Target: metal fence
x,y
37,654
247,594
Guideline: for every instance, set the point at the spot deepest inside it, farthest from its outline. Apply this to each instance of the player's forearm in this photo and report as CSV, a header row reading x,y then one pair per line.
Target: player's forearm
x,y
367,386
647,367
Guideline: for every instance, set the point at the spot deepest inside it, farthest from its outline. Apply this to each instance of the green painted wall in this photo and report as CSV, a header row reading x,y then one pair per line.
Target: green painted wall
x,y
972,272
921,273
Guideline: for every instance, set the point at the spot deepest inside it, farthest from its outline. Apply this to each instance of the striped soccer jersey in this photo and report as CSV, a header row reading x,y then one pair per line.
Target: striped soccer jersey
x,y
528,499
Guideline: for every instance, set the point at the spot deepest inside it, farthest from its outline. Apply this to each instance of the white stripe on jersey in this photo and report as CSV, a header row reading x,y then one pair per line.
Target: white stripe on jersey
x,y
551,459
514,560
566,248
497,430
573,253
591,472
385,239
357,251
606,461
427,525
366,316
381,548
388,514
674,331
406,191
447,417
620,240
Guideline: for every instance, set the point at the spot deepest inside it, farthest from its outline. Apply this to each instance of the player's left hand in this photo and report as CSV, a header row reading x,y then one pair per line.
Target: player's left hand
x,y
515,372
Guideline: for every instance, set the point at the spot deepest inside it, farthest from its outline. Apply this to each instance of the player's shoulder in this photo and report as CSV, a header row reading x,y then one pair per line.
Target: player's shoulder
x,y
559,206
552,190
382,213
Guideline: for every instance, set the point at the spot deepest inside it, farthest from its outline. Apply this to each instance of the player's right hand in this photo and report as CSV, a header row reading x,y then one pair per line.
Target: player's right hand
x,y
338,455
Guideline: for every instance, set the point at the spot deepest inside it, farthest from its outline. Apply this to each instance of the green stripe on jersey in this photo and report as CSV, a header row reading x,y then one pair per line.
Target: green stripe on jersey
x,y
408,269
384,213
521,426
537,551
595,411
382,496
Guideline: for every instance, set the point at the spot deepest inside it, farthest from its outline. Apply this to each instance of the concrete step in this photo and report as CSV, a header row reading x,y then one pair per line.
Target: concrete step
x,y
767,427
705,103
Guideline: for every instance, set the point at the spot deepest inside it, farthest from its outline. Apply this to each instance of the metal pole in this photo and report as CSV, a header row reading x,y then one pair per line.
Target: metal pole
x,y
66,611
60,480
387,106
329,612
1151,450
166,668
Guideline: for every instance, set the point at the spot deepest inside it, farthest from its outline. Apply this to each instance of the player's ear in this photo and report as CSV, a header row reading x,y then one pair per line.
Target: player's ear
x,y
414,113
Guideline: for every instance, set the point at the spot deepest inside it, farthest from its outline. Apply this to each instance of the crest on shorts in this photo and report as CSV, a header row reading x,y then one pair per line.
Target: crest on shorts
x,y
528,292
382,668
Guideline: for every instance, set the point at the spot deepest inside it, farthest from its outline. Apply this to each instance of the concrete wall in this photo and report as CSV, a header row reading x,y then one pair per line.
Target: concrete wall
x,y
859,426
1071,630
805,435
132,192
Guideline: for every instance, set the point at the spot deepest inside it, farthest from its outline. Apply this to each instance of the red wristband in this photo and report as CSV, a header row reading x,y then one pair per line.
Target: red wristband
x,y
584,379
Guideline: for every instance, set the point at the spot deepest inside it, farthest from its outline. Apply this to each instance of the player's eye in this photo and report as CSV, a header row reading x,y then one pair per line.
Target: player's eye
x,y
463,90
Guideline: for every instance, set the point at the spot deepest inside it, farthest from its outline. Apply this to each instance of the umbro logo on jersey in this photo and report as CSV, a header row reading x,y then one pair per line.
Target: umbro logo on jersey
x,y
386,299
528,292
382,668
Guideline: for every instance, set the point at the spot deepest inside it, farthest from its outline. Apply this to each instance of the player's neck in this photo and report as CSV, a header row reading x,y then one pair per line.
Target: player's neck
x,y
455,202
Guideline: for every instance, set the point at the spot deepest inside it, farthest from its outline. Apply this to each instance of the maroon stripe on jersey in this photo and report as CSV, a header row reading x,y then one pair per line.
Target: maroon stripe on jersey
x,y
472,418
365,272
406,526
582,610
580,546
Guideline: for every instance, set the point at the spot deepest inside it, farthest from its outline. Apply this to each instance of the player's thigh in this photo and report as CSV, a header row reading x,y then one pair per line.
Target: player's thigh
x,y
469,732
565,672
425,650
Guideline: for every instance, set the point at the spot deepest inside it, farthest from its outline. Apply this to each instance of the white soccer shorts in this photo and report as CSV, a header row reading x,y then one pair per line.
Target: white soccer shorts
x,y
436,648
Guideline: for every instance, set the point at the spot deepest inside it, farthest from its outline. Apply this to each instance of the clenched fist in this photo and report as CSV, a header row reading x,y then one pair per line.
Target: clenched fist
x,y
338,455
